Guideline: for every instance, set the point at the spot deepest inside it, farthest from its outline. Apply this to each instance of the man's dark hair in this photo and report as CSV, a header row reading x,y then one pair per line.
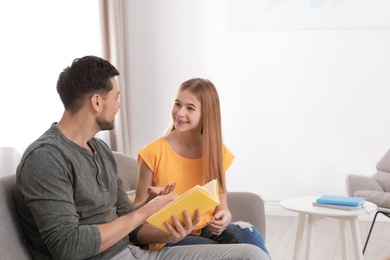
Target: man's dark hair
x,y
86,76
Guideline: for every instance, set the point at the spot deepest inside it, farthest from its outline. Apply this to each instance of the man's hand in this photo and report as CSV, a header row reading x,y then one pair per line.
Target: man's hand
x,y
150,234
178,231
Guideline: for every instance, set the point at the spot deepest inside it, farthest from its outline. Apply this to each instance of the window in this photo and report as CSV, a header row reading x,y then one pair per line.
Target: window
x,y
39,39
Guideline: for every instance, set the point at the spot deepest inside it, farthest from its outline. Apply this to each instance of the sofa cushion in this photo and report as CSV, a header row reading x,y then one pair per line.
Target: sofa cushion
x,y
380,198
361,182
127,170
383,178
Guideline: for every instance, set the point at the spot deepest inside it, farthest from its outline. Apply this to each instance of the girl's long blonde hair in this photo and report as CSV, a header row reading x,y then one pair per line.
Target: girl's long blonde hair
x,y
212,157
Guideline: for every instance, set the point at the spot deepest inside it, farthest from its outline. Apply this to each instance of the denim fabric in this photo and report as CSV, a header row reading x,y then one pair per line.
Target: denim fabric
x,y
236,233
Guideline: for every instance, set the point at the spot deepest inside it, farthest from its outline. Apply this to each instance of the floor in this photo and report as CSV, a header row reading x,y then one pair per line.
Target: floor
x,y
325,243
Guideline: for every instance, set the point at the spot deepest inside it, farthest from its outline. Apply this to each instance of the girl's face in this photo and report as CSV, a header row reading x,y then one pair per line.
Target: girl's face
x,y
186,112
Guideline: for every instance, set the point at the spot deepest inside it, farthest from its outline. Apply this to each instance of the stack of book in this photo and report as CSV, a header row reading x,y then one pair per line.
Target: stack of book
x,y
339,202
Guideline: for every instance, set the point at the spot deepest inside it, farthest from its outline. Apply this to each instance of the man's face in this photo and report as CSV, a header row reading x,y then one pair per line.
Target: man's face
x,y
106,118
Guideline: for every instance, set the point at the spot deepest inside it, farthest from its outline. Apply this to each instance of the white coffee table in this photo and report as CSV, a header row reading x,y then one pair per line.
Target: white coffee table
x,y
305,208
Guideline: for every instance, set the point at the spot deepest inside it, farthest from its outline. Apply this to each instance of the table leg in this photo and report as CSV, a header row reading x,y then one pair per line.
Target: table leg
x,y
299,235
308,235
343,239
357,242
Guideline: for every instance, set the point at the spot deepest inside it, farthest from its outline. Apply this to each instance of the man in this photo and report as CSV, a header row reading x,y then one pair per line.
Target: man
x,y
69,198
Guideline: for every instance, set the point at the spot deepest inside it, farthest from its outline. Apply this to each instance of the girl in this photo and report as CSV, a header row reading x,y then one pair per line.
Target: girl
x,y
192,153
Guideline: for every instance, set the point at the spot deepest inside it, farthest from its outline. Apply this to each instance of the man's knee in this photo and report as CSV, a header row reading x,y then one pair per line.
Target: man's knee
x,y
251,252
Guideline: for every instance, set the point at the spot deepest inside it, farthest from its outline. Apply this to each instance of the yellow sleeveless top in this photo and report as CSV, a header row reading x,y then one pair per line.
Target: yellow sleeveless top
x,y
168,166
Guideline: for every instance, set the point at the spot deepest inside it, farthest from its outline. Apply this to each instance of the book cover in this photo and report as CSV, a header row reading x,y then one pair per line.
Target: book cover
x,y
341,200
204,198
347,208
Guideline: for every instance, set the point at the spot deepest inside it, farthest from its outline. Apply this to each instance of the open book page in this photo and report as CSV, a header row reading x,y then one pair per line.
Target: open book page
x,y
199,197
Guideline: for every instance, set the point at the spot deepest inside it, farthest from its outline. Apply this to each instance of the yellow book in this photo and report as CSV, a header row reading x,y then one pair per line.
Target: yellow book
x,y
204,198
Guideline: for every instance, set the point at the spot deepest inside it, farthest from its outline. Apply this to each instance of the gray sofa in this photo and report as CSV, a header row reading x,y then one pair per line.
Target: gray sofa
x,y
244,206
11,234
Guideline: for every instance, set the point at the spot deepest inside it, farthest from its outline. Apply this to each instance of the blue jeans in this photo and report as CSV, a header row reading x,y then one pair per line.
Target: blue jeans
x,y
236,233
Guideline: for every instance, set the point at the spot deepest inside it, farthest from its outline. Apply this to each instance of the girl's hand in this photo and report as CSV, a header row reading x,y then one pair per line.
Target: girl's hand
x,y
154,192
157,191
219,222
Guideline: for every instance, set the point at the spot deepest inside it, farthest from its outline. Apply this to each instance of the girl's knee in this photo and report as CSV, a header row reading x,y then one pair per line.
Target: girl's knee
x,y
243,226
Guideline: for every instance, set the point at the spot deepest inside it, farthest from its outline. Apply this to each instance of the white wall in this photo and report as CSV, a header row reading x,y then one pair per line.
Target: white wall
x,y
301,108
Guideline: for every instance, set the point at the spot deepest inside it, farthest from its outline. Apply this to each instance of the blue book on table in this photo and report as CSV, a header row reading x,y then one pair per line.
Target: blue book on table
x,y
341,200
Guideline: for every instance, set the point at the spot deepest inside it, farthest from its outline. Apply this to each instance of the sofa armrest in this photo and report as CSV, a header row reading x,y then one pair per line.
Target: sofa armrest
x,y
12,238
248,207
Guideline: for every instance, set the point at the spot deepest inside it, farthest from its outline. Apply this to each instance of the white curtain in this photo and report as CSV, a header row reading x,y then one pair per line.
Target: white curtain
x,y
113,28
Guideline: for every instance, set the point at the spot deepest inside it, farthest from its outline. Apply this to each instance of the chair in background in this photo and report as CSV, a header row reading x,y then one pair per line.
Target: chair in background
x,y
244,206
375,188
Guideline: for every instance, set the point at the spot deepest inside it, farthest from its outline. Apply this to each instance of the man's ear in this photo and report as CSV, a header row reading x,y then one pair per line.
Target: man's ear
x,y
96,102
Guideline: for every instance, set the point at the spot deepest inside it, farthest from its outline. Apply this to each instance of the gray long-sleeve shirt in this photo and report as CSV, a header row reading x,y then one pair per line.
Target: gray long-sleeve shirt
x,y
63,191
